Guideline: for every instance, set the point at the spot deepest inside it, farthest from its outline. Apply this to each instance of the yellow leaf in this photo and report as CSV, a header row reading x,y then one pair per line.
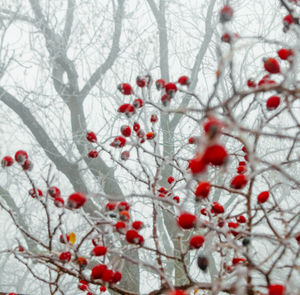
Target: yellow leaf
x,y
72,238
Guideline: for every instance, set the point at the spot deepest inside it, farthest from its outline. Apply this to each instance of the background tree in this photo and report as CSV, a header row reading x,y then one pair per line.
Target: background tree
x,y
61,62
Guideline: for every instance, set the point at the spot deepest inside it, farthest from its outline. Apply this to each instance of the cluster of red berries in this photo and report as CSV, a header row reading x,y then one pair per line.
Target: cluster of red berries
x,y
214,153
131,233
21,157
92,137
102,272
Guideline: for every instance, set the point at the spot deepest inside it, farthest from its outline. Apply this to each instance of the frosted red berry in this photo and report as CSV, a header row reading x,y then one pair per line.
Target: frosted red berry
x,y
7,161
215,155
273,102
76,200
59,202
263,197
118,142
186,220
125,88
285,53
226,14
97,271
21,156
202,190
93,154
138,103
239,181
126,130
91,136
184,81
271,65
65,257
196,241
99,251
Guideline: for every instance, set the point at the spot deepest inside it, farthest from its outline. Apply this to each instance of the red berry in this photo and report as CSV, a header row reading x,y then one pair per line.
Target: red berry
x,y
150,135
116,277
27,165
54,191
217,208
237,260
297,237
125,88
76,200
192,140
187,220
233,224
244,149
82,262
263,197
197,164
91,136
165,99
288,20
124,215
171,89
202,190
226,14
125,130
196,241
32,192
184,81
99,251
153,118
65,257
242,163
110,206
176,199
226,38
120,227
241,169
276,290
7,161
132,236
212,126
239,181
271,65
93,154
137,225
241,219
138,103
102,289
107,275
97,271
273,102
215,155
118,142
203,211
21,156
59,202
285,53
127,109
170,179
160,84
251,83
125,155
123,206
140,81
